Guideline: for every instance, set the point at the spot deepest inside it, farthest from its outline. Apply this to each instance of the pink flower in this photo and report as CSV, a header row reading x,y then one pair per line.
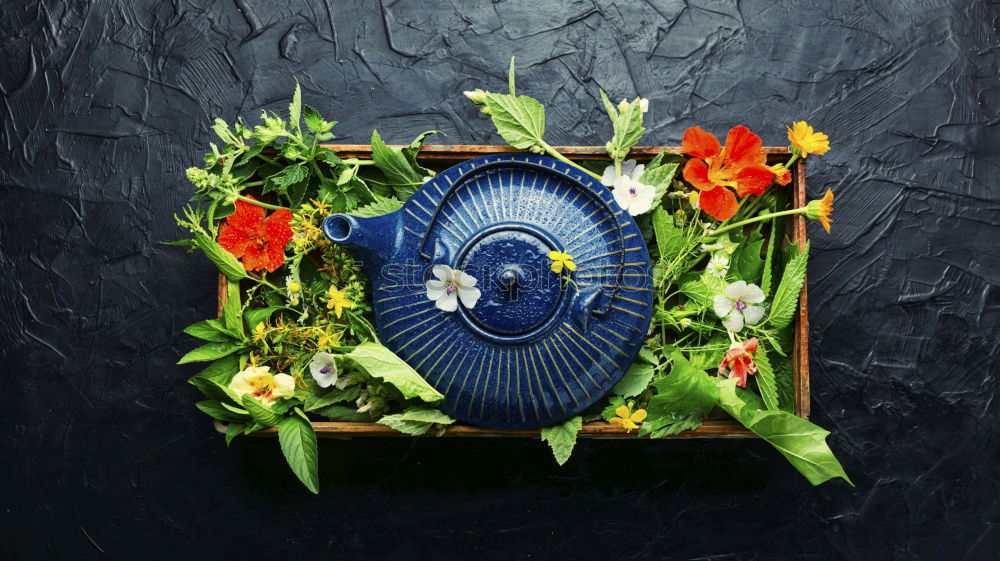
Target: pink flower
x,y
739,360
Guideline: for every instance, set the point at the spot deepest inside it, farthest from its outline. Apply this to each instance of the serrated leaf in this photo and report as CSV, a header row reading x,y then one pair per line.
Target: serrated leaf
x,y
802,443
562,438
635,380
411,151
774,237
786,297
520,120
233,430
214,389
416,421
381,206
298,444
396,168
259,413
670,240
222,370
785,380
210,351
288,176
314,121
223,260
698,293
627,127
380,362
682,399
342,413
295,107
660,177
765,378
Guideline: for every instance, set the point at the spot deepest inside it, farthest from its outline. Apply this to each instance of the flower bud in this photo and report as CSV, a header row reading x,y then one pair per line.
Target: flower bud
x,y
476,96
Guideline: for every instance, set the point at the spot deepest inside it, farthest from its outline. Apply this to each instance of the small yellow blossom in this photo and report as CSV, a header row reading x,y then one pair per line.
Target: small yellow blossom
x,y
685,322
694,198
259,332
294,286
560,260
338,301
805,141
260,384
627,419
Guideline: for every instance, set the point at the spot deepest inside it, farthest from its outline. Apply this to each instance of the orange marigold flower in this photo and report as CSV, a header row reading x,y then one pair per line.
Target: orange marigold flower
x,y
781,174
260,242
714,169
821,209
805,141
739,361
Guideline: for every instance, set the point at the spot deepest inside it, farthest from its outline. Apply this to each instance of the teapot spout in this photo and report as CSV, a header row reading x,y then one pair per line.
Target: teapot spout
x,y
371,240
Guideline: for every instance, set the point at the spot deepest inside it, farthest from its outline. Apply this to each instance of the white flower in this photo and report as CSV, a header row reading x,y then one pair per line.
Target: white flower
x,y
323,369
262,385
293,290
735,305
718,266
450,286
644,104
631,195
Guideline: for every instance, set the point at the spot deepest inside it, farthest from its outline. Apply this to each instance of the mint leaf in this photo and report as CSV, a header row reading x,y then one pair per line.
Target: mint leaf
x,y
766,381
682,399
416,421
520,120
298,444
281,181
382,205
210,351
411,151
562,438
634,381
225,261
786,297
802,443
380,362
316,124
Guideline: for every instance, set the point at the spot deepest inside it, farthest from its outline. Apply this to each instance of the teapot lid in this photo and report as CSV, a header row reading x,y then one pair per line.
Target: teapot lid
x,y
537,347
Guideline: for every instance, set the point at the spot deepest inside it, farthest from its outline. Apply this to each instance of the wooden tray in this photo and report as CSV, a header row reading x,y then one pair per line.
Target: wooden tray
x,y
440,156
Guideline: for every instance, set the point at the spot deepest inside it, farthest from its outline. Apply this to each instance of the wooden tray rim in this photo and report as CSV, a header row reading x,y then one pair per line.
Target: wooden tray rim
x,y
711,428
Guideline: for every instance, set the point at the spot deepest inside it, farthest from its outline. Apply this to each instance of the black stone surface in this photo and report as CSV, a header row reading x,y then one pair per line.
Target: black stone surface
x,y
103,456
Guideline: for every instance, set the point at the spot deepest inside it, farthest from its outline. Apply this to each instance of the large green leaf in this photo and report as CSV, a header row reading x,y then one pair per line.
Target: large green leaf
x,y
562,438
211,351
209,330
670,239
231,315
786,297
634,381
396,167
416,420
746,263
380,362
802,443
216,410
660,177
382,205
256,315
259,413
225,261
698,293
519,119
765,378
298,444
335,395
682,399
411,151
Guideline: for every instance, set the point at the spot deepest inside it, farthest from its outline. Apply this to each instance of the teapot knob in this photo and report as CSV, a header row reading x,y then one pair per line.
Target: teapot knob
x,y
510,278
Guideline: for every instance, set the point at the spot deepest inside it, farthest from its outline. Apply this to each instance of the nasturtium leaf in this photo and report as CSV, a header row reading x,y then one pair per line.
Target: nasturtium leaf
x,y
210,351
520,120
380,362
635,380
225,261
562,438
682,399
298,444
802,443
416,421
786,297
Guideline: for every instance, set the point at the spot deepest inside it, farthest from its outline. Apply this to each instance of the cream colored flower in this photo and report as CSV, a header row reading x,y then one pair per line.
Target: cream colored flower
x,y
259,383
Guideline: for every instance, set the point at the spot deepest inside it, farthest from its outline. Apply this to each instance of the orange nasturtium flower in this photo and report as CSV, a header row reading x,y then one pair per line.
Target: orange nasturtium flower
x,y
821,209
259,241
805,141
627,419
714,169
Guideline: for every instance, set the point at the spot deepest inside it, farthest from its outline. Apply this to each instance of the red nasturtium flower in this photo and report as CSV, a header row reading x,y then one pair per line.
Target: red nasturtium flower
x,y
258,241
714,169
739,360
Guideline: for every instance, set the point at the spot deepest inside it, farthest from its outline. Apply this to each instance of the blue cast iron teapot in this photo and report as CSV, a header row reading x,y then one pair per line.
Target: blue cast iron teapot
x,y
466,293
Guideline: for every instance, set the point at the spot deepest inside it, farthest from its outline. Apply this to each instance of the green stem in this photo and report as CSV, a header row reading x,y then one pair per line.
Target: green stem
x,y
555,154
260,204
269,160
357,162
800,210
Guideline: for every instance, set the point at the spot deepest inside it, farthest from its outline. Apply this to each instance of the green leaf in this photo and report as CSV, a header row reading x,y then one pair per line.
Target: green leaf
x,y
766,381
627,124
214,389
660,177
392,162
254,316
411,151
786,297
698,293
772,241
416,420
341,413
295,107
381,206
216,410
259,413
288,176
210,351
802,443
670,240
614,403
747,264
298,444
231,315
634,381
317,402
225,261
520,120
682,399
222,370
209,330
562,438
315,122
380,362
785,378
510,76
233,430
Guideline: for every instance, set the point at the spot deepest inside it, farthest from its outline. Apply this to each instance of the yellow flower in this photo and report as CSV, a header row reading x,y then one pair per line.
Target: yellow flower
x,y
259,383
821,209
627,419
805,141
259,332
338,301
294,286
694,198
560,260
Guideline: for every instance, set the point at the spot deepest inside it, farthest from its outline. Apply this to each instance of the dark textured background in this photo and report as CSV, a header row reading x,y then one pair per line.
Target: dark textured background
x,y
103,455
